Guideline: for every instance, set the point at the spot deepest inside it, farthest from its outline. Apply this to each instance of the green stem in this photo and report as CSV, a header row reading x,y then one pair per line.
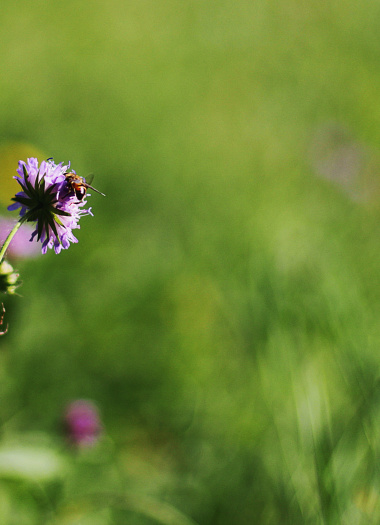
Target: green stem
x,y
8,240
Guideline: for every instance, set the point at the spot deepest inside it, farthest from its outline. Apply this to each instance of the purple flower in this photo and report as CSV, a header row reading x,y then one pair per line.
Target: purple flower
x,y
50,202
83,423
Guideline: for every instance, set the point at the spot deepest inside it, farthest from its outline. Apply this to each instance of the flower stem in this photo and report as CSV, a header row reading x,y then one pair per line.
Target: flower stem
x,y
8,240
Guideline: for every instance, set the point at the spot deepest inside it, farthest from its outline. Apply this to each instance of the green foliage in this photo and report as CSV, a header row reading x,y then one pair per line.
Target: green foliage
x,y
221,308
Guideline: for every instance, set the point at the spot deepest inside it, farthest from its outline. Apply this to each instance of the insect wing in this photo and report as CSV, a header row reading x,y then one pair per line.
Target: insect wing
x,y
89,179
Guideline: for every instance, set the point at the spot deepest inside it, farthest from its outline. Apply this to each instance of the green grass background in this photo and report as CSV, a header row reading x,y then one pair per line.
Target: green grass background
x,y
222,305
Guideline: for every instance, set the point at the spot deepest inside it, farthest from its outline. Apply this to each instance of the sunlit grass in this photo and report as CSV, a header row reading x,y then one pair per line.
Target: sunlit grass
x,y
222,307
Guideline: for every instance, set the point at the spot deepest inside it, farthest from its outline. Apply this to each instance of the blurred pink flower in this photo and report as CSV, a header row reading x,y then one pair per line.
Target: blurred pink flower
x,y
348,164
83,423
20,247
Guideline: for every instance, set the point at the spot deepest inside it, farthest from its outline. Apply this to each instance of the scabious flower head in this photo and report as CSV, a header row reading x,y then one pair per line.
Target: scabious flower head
x,y
47,201
83,423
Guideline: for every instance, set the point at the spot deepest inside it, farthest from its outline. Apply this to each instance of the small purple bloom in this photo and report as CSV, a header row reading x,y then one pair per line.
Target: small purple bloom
x,y
47,200
20,247
83,423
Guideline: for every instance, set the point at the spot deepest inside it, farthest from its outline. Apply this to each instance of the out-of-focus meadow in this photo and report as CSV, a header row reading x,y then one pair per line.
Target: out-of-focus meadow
x,y
222,307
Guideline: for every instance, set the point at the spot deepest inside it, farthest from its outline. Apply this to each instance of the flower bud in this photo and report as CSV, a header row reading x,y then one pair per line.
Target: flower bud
x,y
8,278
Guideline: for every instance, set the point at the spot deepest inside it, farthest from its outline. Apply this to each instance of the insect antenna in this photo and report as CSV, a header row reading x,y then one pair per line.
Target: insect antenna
x,y
97,191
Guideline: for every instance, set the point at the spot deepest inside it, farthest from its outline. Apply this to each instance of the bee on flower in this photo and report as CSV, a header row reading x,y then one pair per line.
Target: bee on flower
x,y
49,199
